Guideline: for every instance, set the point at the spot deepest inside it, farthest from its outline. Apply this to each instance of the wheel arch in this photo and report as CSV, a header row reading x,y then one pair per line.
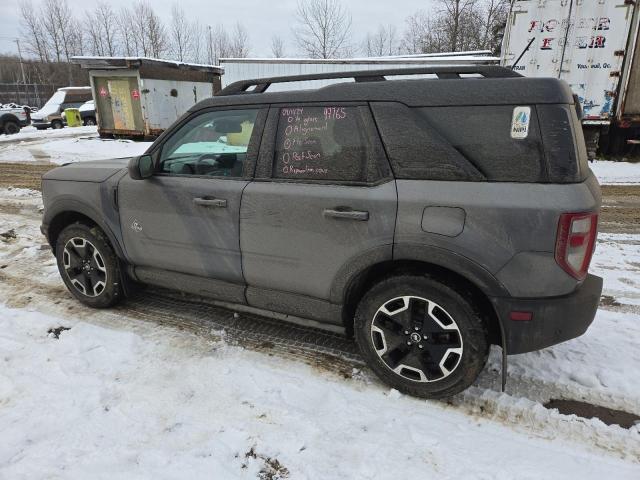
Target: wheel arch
x,y
77,212
460,279
8,117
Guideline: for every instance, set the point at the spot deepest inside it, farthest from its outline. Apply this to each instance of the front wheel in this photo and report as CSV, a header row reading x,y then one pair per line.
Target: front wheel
x,y
88,265
11,128
421,337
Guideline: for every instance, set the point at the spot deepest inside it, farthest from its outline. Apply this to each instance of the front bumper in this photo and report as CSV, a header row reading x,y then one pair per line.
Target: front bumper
x,y
40,123
553,320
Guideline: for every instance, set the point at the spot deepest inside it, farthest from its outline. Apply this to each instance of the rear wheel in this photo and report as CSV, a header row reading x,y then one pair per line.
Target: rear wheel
x,y
11,127
88,265
421,337
57,124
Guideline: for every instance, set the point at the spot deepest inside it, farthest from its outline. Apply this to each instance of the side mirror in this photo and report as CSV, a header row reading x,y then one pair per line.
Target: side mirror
x,y
141,167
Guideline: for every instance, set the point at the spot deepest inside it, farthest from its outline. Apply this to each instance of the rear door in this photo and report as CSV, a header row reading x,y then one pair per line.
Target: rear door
x,y
323,197
185,218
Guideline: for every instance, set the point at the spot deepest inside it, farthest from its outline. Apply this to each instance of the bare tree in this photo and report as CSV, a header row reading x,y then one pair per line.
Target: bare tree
x,y
33,32
381,42
221,45
128,38
457,17
277,46
105,17
52,30
149,34
180,31
157,34
424,34
197,52
93,35
324,28
494,20
239,42
140,28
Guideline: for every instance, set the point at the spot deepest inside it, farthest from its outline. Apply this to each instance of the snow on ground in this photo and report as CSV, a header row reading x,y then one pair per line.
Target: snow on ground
x,y
32,133
124,397
65,145
616,173
107,403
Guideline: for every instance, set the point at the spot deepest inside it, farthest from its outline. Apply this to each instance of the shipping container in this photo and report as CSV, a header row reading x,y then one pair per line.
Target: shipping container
x,y
236,69
592,45
141,97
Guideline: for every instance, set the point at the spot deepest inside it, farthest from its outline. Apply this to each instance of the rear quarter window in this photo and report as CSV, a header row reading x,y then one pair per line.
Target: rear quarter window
x,y
464,143
483,135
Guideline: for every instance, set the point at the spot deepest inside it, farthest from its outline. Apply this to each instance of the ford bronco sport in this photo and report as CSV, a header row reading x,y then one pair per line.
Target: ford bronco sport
x,y
429,217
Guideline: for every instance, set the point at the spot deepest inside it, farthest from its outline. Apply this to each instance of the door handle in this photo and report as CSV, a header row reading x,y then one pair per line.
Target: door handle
x,y
210,202
346,213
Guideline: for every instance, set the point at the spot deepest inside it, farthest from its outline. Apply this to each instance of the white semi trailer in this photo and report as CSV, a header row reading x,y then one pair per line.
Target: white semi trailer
x,y
592,44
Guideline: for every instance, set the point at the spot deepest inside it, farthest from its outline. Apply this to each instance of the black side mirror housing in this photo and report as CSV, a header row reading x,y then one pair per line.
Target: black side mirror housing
x,y
141,167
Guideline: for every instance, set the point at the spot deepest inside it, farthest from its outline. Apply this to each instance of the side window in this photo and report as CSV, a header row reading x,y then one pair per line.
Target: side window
x,y
468,143
321,143
483,135
212,144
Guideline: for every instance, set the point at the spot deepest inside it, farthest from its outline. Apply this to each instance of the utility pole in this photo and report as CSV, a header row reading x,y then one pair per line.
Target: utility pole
x,y
210,52
24,81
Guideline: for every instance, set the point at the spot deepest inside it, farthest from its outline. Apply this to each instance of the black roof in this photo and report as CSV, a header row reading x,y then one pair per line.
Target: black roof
x,y
497,86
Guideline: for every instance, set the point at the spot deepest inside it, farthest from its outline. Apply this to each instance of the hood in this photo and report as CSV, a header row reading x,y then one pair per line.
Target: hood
x,y
94,171
46,111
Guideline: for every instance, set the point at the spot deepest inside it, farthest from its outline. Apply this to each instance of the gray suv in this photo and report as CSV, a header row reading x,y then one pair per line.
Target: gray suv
x,y
430,215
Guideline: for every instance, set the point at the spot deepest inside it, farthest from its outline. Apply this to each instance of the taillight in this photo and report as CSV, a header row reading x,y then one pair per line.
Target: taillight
x,y
575,242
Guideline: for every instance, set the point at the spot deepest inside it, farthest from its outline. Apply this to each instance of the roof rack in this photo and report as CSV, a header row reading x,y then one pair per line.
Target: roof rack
x,y
262,84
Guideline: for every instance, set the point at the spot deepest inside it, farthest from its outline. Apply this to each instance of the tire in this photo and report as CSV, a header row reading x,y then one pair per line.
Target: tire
x,y
426,355
56,124
11,128
41,128
88,265
89,121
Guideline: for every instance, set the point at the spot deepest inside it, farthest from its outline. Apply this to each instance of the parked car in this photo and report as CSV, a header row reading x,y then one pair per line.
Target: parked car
x,y
88,113
50,115
13,118
430,218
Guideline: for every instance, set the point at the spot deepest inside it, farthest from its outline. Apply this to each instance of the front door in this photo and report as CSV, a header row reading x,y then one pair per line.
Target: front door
x,y
185,218
327,201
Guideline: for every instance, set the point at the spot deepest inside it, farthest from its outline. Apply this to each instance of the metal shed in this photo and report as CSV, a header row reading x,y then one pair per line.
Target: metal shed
x,y
140,97
248,68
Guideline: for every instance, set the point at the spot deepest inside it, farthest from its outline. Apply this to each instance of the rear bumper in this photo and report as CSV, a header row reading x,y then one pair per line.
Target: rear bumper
x,y
553,320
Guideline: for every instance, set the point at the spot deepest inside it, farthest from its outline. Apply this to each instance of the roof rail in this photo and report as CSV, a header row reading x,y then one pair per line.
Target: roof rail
x,y
262,84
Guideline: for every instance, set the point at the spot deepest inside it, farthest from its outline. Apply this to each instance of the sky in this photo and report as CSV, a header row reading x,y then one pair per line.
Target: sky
x,y
261,18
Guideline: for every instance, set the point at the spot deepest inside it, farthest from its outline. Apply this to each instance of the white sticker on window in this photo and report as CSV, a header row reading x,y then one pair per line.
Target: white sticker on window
x,y
520,122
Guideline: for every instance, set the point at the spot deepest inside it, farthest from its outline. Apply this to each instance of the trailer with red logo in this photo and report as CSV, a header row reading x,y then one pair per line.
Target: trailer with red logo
x,y
592,44
140,97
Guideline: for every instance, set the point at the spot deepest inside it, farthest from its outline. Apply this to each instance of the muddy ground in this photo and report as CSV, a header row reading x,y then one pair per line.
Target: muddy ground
x,y
620,203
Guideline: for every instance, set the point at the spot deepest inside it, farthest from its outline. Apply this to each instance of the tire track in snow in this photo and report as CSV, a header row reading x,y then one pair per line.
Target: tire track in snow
x,y
22,285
